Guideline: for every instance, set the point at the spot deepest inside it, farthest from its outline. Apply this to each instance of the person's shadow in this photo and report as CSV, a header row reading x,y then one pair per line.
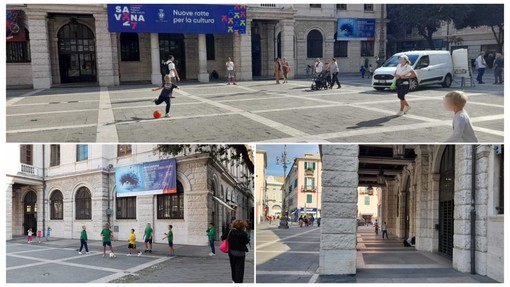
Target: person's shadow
x,y
372,123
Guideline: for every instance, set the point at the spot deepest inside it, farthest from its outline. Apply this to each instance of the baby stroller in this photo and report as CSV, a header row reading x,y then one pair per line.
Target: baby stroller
x,y
321,81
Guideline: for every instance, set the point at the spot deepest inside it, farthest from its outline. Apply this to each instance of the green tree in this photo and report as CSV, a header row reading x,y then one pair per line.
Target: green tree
x,y
477,15
425,18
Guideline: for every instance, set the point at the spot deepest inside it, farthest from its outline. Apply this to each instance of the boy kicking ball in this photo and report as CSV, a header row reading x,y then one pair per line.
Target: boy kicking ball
x,y
107,236
165,95
170,236
132,244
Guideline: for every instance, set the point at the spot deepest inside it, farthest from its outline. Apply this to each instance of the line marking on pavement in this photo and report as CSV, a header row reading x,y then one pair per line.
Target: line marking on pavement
x,y
49,129
401,266
304,242
23,96
32,250
270,123
286,251
315,277
489,131
63,103
51,112
282,239
177,118
106,128
368,131
294,273
123,273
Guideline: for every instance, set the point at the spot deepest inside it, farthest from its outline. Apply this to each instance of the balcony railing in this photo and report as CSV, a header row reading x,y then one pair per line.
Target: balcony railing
x,y
308,188
29,169
268,5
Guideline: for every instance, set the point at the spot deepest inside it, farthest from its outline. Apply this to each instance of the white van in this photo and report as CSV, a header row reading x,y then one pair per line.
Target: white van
x,y
432,67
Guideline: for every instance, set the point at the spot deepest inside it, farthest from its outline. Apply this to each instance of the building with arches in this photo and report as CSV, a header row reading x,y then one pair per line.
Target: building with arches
x,y
66,44
67,186
449,197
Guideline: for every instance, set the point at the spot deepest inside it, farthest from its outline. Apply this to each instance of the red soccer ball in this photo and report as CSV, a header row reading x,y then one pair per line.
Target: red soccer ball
x,y
156,114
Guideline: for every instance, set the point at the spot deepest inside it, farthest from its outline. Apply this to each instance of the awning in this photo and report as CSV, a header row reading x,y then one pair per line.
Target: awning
x,y
222,202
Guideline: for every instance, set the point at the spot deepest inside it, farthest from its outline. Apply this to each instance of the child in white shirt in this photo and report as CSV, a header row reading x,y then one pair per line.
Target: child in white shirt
x,y
462,128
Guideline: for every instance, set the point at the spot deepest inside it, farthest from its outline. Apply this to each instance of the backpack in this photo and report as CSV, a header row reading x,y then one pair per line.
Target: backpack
x,y
164,68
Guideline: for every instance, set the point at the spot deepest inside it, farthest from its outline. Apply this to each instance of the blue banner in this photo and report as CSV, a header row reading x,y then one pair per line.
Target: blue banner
x,y
356,29
158,177
177,18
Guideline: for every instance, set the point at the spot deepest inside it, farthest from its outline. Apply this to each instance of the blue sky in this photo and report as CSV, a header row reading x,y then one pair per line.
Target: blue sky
x,y
293,151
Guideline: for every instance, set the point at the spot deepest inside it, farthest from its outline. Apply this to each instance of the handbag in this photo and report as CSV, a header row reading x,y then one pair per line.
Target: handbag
x,y
224,247
393,85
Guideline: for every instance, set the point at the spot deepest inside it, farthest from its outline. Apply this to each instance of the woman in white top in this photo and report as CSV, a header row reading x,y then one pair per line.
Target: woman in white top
x,y
403,73
230,72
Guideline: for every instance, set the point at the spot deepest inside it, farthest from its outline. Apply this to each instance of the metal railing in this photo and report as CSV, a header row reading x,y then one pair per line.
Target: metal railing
x,y
308,188
29,169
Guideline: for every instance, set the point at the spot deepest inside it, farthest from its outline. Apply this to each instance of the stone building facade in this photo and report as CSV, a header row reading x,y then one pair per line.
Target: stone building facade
x,y
273,195
51,57
430,196
303,186
260,182
46,191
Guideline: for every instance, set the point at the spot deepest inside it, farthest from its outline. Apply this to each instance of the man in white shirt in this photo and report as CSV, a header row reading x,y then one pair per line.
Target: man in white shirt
x,y
230,72
318,66
174,76
480,65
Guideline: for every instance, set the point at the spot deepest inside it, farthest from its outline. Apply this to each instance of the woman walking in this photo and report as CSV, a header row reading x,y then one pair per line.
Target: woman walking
x,y
403,75
277,69
285,69
237,239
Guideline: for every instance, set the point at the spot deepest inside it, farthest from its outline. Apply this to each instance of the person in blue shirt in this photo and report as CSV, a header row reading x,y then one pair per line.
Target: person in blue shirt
x,y
165,95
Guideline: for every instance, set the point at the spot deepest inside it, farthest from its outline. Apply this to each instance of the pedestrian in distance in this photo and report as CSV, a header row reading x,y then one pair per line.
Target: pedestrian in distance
x,y
132,244
462,128
481,64
147,237
312,219
48,233
170,236
107,236
362,70
499,65
30,234
285,70
231,77
384,230
301,221
277,69
238,240
376,228
334,70
172,71
403,74
319,222
165,95
39,236
317,68
211,233
83,240
370,71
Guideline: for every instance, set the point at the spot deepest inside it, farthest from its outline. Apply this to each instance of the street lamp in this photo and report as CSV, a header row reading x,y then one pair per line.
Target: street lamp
x,y
284,162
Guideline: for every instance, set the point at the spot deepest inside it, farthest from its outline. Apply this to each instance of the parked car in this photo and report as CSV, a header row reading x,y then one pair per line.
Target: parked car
x,y
432,67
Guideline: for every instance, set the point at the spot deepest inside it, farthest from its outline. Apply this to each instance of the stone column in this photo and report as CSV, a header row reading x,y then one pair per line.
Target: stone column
x,y
155,60
242,54
287,38
339,207
8,210
461,215
39,50
105,52
203,76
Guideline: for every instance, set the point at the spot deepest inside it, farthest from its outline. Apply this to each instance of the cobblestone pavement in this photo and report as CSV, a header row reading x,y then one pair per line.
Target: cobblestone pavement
x,y
292,256
258,111
57,261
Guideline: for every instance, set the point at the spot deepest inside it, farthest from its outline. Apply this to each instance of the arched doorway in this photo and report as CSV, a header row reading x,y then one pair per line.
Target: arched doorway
x,y
446,203
279,45
76,53
173,44
30,210
256,52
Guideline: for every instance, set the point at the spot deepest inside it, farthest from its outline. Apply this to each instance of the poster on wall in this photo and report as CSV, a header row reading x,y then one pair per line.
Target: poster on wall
x,y
177,18
355,29
158,177
15,24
